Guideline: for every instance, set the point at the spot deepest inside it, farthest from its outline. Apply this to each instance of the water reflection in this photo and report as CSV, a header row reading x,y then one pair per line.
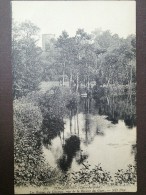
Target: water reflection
x,y
93,129
130,121
72,106
72,145
118,108
134,151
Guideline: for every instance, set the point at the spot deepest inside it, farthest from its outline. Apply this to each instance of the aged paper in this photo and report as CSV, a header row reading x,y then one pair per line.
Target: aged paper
x,y
74,89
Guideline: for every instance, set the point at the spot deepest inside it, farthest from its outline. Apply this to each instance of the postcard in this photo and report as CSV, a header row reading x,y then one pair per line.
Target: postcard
x,y
74,96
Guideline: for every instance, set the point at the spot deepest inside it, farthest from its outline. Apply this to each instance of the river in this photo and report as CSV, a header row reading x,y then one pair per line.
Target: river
x,y
95,133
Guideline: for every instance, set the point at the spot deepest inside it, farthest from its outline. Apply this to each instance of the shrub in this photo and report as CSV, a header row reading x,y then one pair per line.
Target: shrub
x,y
30,167
94,176
128,176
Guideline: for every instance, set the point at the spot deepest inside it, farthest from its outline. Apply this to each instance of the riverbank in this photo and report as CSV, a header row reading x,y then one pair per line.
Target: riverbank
x,y
78,125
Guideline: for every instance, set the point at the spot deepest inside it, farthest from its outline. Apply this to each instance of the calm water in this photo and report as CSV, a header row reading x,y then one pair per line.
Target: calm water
x,y
95,132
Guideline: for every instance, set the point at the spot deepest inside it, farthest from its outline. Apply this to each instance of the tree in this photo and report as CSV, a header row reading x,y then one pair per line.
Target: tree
x,y
63,58
26,58
82,48
49,59
116,64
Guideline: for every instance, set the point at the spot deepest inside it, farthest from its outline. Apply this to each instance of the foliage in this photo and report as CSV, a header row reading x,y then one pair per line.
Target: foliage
x,y
94,176
84,58
26,58
54,108
30,166
117,108
55,104
100,56
125,177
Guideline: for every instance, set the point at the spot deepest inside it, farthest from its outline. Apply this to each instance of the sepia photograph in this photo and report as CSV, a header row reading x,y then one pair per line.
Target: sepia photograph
x,y
74,96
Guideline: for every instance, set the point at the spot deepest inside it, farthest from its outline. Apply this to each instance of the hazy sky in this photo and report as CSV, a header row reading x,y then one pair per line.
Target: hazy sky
x,y
55,16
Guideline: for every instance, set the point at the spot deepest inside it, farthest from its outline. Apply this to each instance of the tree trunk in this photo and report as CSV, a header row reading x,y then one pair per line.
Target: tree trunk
x,y
88,82
70,80
88,77
130,82
77,121
77,85
70,122
63,74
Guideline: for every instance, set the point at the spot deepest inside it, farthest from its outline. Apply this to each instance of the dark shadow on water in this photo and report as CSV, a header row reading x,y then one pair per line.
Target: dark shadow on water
x,y
114,108
114,120
117,108
98,132
134,151
130,121
72,145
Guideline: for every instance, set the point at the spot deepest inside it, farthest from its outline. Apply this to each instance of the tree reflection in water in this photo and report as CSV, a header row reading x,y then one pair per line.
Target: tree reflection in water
x,y
118,108
72,106
77,135
72,145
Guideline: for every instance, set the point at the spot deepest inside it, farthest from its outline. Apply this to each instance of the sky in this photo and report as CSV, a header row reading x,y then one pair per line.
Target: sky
x,y
52,17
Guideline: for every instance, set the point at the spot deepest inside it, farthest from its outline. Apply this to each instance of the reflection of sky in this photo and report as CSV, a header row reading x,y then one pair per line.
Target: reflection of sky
x,y
112,150
53,152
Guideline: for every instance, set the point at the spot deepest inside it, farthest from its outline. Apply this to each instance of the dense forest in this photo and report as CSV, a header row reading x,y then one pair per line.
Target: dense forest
x,y
99,58
101,66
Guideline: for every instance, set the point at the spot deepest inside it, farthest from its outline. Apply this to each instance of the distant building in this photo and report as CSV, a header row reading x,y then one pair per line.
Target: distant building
x,y
47,41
